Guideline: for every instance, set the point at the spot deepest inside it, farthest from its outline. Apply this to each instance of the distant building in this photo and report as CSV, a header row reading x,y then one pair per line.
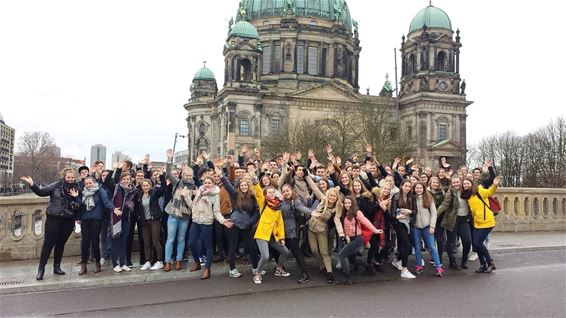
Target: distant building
x,y
181,157
69,163
118,156
97,152
7,143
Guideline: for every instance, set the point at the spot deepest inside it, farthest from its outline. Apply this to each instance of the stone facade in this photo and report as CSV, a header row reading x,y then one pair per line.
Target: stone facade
x,y
307,67
7,144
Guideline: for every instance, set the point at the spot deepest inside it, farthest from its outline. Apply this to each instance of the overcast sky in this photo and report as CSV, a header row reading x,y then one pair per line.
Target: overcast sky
x,y
118,72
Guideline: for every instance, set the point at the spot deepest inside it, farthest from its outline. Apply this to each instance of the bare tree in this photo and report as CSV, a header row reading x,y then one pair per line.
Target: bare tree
x,y
344,131
36,157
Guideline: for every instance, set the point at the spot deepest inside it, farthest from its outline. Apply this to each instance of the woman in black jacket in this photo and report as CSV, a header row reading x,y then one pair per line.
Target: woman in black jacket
x,y
61,213
147,207
403,210
95,201
245,214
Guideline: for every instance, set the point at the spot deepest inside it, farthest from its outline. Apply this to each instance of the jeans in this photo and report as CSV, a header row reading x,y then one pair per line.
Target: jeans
x,y
104,240
90,236
480,236
429,240
202,233
119,243
319,248
348,251
263,247
237,235
176,228
403,243
462,230
57,232
151,235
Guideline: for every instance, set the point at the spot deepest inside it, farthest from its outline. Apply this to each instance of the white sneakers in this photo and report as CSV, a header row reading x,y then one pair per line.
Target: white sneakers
x,y
473,256
281,273
339,265
397,264
257,279
406,274
102,261
145,266
126,268
118,269
254,271
234,273
157,266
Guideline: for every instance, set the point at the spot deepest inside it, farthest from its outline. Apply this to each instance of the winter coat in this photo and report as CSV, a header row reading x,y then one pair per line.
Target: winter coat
x,y
270,221
58,205
101,203
481,213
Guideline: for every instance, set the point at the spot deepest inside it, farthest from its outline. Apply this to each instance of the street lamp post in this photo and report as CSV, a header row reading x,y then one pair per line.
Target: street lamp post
x,y
175,145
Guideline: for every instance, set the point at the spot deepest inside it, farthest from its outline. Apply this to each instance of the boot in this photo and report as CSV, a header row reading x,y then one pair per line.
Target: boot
x,y
98,267
330,278
178,265
40,273
205,273
453,264
83,269
167,267
196,267
57,269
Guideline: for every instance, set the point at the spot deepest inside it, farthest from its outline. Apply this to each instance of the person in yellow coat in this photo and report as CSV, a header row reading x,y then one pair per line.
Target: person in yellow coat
x,y
270,231
483,219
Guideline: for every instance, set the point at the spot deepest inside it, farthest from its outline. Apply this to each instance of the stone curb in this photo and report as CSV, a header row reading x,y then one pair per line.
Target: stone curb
x,y
138,277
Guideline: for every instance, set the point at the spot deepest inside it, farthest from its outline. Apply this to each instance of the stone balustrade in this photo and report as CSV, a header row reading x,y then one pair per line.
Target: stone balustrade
x,y
22,219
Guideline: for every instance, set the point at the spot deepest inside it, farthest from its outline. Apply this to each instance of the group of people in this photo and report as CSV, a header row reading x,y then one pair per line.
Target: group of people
x,y
256,209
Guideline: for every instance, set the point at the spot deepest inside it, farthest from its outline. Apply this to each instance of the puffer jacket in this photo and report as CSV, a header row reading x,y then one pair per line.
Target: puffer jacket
x,y
57,205
206,206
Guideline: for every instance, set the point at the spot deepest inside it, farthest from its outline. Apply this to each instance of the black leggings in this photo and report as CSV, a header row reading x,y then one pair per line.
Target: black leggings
x,y
404,246
90,237
374,252
293,245
57,232
236,235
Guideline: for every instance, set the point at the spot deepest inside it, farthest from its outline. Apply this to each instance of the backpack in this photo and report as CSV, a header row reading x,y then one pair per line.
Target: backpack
x,y
494,205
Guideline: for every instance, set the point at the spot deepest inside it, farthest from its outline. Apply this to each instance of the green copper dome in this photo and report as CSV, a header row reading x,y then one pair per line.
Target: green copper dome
x,y
432,17
204,74
326,9
244,29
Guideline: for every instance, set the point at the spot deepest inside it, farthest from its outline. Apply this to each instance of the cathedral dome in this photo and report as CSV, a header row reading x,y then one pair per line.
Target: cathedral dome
x,y
432,17
244,29
325,9
204,74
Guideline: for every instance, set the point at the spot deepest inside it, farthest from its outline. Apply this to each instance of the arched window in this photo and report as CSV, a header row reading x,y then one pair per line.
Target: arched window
x,y
244,127
441,61
246,73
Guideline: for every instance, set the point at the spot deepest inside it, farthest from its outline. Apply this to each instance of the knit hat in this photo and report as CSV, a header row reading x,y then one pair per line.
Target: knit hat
x,y
81,168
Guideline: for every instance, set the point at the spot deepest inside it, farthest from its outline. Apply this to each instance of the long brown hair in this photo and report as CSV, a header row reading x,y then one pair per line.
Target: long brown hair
x,y
244,200
405,201
351,212
466,194
426,196
364,193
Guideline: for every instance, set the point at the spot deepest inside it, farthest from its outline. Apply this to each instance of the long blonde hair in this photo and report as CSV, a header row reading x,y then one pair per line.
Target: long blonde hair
x,y
338,207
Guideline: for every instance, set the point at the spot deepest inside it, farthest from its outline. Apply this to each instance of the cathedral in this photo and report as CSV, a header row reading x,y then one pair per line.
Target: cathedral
x,y
286,60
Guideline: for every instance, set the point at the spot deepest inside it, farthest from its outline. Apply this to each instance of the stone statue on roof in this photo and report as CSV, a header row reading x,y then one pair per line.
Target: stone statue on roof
x,y
230,23
289,7
242,11
338,13
355,24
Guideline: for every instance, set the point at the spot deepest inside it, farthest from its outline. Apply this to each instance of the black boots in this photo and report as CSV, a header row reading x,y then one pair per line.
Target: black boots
x,y
330,279
57,269
453,264
40,273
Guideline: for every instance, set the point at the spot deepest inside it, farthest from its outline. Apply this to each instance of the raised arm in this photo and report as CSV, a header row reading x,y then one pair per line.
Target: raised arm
x,y
314,187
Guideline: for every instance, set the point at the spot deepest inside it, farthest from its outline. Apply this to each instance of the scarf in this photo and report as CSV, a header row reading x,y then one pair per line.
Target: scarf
x,y
121,200
178,206
66,195
88,196
273,203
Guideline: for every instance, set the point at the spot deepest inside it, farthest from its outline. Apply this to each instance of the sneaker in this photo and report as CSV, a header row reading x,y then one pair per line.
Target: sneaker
x,y
487,244
419,270
439,272
126,268
234,273
339,265
102,261
145,266
431,262
472,257
156,266
254,271
407,274
257,279
481,269
304,279
281,273
117,269
422,262
397,264
490,268
202,260
330,278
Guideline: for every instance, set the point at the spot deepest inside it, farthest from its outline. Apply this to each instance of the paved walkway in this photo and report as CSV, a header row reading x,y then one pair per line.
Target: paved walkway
x,y
19,276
